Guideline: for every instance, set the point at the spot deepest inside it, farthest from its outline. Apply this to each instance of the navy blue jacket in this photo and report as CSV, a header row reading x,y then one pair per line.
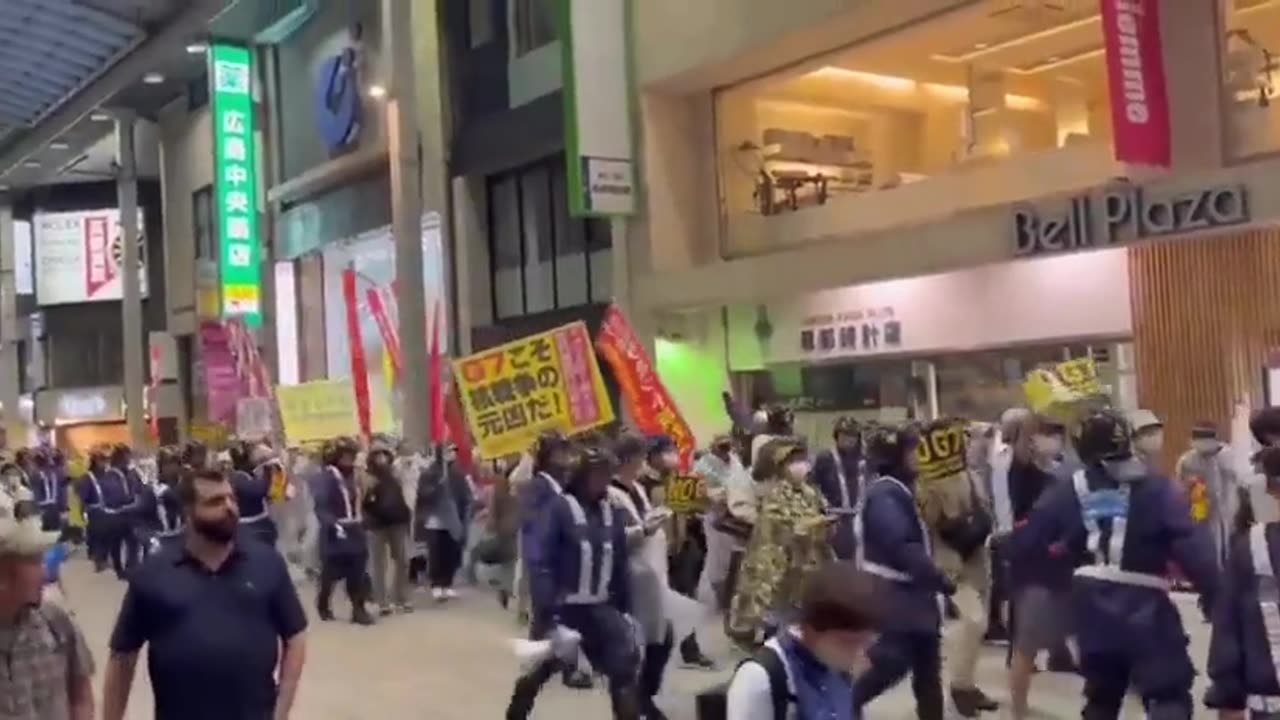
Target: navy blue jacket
x,y
333,512
120,489
554,557
48,490
534,499
835,487
892,541
1111,616
252,491
160,509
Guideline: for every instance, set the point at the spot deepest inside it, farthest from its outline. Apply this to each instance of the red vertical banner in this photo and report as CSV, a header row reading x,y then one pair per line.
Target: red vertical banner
x,y
1136,78
359,368
647,400
390,339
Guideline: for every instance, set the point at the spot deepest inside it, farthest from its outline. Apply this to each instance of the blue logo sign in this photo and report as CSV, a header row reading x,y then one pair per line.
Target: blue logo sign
x,y
337,101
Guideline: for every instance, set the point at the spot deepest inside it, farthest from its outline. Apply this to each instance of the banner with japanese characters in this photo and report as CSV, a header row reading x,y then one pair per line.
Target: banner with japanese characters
x,y
547,381
650,406
686,493
941,451
318,411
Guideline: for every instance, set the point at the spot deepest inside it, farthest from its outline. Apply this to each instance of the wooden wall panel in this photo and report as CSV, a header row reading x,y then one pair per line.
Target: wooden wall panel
x,y
1205,311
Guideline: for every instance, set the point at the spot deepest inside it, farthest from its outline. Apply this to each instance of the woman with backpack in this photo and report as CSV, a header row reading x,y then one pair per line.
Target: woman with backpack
x,y
387,514
803,671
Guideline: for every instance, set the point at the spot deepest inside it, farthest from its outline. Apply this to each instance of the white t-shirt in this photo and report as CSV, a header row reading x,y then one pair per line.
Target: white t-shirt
x,y
750,696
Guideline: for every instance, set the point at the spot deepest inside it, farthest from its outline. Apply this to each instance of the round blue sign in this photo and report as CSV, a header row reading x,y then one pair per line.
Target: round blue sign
x,y
337,101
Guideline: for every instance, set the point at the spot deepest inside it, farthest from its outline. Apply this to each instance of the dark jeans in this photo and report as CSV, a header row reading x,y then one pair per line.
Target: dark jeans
x,y
350,569
893,656
122,544
444,553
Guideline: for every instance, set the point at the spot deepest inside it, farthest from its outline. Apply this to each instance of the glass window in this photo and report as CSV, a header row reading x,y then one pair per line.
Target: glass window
x,y
202,223
480,22
535,24
505,252
572,278
599,235
539,245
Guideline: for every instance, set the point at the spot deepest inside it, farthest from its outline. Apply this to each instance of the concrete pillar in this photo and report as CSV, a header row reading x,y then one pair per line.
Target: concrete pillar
x,y
1191,33
131,303
406,213
10,372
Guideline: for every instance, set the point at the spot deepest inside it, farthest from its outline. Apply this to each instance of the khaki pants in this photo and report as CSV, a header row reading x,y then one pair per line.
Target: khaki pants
x,y
390,542
964,641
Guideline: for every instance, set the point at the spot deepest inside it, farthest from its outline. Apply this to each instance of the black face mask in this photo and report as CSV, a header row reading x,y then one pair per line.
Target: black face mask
x,y
220,531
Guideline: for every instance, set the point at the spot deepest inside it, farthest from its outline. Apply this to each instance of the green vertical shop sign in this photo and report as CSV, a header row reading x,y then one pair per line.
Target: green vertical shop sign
x,y
235,172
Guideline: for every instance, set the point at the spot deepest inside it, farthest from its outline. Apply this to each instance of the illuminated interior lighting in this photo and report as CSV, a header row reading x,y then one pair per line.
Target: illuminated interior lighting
x,y
792,106
377,92
197,48
31,164
887,82
58,145
952,93
153,78
99,116
1061,62
1019,41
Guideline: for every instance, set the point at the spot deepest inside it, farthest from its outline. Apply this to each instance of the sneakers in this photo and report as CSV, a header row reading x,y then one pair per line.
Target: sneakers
x,y
970,702
697,661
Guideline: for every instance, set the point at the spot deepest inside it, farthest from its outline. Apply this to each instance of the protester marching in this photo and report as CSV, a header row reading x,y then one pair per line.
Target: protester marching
x,y
832,564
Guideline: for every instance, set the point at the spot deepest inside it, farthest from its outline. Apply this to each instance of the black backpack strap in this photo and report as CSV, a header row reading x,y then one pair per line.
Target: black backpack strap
x,y
776,669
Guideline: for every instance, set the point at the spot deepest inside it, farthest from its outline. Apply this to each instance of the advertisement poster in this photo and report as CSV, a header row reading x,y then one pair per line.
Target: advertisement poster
x,y
1136,79
371,258
317,411
222,381
512,392
650,405
78,256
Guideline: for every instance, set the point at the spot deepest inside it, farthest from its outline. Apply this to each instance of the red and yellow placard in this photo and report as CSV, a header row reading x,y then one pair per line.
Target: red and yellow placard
x,y
547,381
650,405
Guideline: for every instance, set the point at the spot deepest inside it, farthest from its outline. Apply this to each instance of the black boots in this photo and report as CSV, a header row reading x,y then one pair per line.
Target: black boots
x,y
970,702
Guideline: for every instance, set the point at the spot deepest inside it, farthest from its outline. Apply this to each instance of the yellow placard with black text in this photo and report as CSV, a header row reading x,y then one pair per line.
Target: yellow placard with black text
x,y
686,493
548,381
941,451
318,410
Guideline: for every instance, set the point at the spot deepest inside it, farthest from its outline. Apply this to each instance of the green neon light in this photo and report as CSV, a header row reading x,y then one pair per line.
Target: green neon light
x,y
236,182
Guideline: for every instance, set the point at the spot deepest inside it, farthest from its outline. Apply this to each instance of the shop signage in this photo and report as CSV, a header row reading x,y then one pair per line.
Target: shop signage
x,y
597,97
78,256
869,330
1126,214
80,405
337,101
236,182
1136,80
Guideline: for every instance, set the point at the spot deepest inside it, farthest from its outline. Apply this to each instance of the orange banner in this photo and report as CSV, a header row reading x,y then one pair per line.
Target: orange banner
x,y
646,398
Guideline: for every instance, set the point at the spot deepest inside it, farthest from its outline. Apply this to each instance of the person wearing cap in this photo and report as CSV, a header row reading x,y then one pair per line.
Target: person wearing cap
x,y
1121,524
344,547
893,545
444,505
1243,679
791,538
49,669
579,578
1211,485
387,513
220,619
1148,435
838,473
49,491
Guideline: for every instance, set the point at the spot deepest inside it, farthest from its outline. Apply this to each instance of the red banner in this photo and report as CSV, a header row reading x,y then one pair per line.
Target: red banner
x,y
646,398
359,368
1135,75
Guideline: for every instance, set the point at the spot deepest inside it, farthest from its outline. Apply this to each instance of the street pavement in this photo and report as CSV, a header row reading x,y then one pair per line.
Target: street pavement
x,y
453,662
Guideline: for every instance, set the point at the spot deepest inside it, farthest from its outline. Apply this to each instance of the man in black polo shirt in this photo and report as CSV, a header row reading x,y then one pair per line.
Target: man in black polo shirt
x,y
220,617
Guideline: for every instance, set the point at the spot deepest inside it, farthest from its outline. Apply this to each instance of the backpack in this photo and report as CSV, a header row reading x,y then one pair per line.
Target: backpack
x,y
713,704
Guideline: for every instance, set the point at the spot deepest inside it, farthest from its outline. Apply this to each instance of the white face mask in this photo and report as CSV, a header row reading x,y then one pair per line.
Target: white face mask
x,y
798,470
1150,442
1046,446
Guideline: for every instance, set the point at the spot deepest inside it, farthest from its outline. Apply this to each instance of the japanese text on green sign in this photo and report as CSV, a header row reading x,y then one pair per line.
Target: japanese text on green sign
x,y
236,182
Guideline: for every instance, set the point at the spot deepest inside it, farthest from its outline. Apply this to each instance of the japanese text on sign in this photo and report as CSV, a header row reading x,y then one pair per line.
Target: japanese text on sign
x,y
860,331
317,410
546,381
941,451
686,493
236,181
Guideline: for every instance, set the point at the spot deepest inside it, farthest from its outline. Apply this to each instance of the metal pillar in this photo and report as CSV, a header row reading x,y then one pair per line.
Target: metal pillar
x,y
10,372
131,302
406,215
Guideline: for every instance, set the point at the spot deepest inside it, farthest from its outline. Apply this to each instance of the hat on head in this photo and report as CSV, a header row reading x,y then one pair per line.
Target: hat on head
x,y
20,532
1143,419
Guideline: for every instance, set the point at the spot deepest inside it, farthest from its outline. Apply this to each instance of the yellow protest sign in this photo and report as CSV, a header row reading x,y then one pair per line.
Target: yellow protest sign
x,y
318,410
512,392
211,434
686,493
941,451
1080,376
1068,382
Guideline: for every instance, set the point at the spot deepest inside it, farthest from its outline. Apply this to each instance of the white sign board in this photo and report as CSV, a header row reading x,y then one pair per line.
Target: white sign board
x,y
23,272
78,256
